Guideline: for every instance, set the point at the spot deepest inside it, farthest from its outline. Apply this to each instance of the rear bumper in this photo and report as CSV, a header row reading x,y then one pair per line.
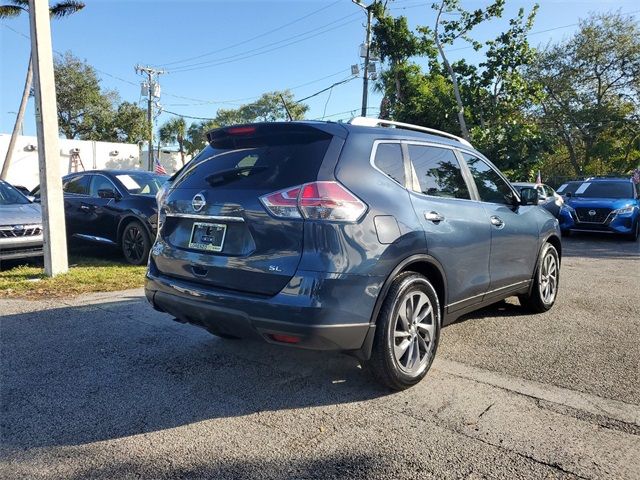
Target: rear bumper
x,y
322,311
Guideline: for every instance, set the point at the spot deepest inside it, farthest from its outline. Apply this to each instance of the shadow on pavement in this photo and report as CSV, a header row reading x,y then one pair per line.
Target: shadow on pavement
x,y
82,374
599,245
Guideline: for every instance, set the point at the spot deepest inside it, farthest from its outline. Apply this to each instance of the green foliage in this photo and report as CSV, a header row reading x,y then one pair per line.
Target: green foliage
x,y
87,112
196,136
496,95
58,10
591,100
268,108
175,131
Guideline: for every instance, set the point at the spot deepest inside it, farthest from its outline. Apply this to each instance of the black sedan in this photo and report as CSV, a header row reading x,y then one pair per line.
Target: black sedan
x,y
113,207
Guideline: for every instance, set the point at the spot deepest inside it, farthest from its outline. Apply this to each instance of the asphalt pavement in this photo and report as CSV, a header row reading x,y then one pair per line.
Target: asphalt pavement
x,y
102,386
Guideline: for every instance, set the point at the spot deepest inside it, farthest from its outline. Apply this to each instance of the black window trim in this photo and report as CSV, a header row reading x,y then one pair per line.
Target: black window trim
x,y
466,175
405,160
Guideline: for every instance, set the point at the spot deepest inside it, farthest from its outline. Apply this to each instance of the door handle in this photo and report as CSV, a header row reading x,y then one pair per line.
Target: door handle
x,y
434,217
497,221
84,207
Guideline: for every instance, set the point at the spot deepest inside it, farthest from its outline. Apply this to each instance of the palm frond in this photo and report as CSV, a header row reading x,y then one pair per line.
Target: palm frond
x,y
63,9
21,3
8,11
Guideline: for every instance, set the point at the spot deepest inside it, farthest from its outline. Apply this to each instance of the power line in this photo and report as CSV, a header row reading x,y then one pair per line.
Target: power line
x,y
264,34
261,50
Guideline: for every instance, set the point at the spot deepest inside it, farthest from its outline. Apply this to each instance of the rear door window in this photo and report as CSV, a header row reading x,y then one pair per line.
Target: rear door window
x,y
438,172
389,160
267,162
77,185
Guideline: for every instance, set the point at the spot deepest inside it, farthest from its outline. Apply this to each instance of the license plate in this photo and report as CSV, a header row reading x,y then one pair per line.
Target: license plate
x,y
207,236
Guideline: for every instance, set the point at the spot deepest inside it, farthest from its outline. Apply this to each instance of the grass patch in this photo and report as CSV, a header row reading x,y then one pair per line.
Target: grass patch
x,y
86,274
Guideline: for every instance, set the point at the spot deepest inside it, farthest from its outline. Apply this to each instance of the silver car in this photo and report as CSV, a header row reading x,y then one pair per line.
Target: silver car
x,y
20,225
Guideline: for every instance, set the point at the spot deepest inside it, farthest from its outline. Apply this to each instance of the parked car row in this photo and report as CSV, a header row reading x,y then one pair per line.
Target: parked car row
x,y
116,208
600,205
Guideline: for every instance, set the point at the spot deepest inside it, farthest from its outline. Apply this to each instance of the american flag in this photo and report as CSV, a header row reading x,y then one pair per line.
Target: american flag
x,y
539,179
157,167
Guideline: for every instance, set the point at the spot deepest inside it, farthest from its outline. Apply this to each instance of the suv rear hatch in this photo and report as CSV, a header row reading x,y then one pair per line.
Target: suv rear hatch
x,y
220,232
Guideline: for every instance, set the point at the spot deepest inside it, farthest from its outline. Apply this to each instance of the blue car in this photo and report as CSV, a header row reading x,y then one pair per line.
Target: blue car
x,y
601,205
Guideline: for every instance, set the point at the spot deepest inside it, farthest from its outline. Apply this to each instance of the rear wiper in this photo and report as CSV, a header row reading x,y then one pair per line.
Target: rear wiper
x,y
225,176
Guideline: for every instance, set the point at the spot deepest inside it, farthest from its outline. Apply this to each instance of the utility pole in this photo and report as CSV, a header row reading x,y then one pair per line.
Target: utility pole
x,y
365,78
153,94
55,239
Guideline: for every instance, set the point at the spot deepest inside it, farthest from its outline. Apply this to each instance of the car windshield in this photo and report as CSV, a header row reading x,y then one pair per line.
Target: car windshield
x,y
141,183
11,196
605,190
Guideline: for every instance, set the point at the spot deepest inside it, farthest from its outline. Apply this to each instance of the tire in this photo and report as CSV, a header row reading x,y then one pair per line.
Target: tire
x,y
633,237
544,291
135,243
393,362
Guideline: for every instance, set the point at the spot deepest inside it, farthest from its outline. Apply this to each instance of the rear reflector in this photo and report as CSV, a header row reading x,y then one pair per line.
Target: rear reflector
x,y
284,338
315,201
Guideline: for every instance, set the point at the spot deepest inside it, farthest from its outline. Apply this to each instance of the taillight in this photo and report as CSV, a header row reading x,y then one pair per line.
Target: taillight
x,y
283,203
315,201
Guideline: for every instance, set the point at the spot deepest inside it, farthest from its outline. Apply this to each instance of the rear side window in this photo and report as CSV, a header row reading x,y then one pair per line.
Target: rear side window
x,y
438,172
267,162
491,187
77,185
389,160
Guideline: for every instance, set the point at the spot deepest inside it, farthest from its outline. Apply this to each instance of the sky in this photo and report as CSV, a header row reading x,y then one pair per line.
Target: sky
x,y
222,54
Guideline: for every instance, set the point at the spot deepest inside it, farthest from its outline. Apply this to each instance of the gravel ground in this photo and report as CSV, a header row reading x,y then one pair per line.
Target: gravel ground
x,y
102,386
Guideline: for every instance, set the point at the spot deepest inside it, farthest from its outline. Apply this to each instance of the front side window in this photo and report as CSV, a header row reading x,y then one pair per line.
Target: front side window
x,y
491,187
77,185
438,172
100,182
389,160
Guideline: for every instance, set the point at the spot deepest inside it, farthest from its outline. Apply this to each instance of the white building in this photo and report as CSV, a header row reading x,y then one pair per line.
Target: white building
x,y
75,155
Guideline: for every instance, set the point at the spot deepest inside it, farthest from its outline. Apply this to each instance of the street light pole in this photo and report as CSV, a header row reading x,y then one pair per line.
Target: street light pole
x,y
55,239
365,78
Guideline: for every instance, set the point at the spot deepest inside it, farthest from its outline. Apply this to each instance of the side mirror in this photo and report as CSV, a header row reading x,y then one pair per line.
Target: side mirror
x,y
528,196
107,193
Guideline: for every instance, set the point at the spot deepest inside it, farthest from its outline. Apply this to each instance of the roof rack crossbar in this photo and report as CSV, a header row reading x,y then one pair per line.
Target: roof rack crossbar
x,y
375,122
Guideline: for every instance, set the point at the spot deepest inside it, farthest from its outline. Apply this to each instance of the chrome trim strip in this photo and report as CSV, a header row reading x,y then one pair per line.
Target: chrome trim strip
x,y
94,238
220,218
506,287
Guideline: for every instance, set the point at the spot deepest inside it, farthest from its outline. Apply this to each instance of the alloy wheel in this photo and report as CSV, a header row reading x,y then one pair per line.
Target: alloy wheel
x,y
414,332
548,278
133,243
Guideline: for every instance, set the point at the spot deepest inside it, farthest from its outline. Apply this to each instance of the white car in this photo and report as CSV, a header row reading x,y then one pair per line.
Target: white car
x,y
20,225
548,198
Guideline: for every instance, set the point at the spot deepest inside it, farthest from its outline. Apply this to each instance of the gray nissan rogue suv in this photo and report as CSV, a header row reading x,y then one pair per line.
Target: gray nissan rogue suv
x,y
350,237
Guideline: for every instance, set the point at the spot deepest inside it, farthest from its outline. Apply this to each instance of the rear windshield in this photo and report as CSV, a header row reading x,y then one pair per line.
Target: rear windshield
x,y
605,190
270,162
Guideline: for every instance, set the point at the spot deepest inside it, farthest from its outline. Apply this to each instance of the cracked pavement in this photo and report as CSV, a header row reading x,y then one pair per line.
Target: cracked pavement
x,y
102,386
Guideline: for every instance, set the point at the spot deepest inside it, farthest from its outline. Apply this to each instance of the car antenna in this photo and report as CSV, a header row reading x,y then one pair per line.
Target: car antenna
x,y
286,108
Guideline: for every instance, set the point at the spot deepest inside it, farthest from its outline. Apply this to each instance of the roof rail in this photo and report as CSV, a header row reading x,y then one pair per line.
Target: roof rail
x,y
376,122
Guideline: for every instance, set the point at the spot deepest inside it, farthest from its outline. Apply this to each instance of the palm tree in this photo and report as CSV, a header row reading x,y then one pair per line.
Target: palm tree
x,y
174,131
15,8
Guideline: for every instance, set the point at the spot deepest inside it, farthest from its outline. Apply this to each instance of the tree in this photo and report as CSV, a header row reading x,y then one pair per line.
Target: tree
x,y
268,108
174,131
448,31
196,136
591,101
129,123
14,9
85,111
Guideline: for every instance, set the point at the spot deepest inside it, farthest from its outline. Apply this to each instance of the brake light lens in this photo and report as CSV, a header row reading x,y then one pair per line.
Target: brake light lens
x,y
283,203
240,130
315,201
